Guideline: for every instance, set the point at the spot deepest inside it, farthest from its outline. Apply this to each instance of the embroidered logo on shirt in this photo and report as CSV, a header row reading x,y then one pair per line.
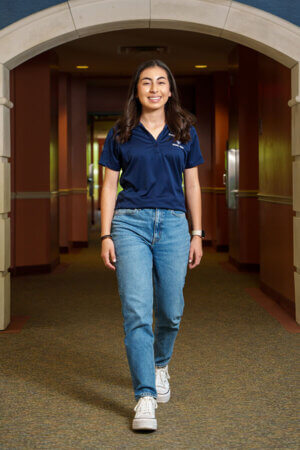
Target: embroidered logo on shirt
x,y
177,144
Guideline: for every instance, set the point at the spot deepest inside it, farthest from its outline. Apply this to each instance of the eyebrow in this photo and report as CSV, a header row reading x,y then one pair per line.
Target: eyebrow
x,y
147,78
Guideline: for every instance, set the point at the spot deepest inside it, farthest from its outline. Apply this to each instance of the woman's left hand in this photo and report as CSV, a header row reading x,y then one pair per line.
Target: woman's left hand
x,y
196,252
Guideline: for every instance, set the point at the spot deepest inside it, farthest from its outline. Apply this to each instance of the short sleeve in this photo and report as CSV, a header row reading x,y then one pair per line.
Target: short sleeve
x,y
194,157
110,154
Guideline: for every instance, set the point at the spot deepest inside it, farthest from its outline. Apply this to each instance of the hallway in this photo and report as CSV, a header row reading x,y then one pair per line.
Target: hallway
x,y
233,372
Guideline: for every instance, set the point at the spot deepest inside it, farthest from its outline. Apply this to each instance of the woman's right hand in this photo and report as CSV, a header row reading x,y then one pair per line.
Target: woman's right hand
x,y
108,253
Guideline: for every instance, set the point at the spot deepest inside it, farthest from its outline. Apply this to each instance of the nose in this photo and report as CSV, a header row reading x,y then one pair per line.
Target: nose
x,y
153,87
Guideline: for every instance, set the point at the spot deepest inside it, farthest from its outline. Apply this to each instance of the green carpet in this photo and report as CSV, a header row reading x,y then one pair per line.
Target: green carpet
x,y
65,382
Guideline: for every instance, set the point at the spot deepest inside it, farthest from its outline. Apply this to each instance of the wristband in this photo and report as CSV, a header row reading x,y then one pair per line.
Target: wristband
x,y
105,236
200,233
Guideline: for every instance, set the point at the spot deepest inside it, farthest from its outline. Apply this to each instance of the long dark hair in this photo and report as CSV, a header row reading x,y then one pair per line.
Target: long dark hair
x,y
178,119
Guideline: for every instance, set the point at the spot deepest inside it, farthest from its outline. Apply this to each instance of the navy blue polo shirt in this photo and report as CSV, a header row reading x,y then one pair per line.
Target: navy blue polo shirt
x,y
151,168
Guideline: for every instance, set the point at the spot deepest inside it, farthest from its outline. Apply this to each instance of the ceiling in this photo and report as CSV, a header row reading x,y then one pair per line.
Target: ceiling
x,y
183,49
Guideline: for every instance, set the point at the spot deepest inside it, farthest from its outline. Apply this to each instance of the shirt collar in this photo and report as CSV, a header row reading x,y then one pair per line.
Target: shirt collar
x,y
164,131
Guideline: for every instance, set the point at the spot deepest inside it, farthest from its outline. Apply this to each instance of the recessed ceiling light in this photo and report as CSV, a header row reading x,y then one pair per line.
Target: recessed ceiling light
x,y
82,67
200,66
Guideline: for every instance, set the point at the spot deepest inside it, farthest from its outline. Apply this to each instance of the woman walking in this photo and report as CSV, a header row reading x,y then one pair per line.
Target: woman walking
x,y
144,232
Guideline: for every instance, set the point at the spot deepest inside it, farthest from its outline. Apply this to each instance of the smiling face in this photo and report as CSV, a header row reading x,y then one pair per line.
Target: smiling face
x,y
153,88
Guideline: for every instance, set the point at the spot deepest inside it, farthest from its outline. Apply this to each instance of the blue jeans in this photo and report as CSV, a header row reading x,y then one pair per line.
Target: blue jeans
x,y
152,250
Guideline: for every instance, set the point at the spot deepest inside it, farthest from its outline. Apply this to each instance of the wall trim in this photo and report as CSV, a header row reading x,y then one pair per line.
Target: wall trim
x,y
213,190
251,193
242,193
271,198
47,194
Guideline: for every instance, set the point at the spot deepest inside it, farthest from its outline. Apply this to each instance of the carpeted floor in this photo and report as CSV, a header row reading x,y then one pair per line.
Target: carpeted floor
x,y
65,382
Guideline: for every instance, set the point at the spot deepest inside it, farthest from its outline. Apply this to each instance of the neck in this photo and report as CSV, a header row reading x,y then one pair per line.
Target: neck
x,y
153,118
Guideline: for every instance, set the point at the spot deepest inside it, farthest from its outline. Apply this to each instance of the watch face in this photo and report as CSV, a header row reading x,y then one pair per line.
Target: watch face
x,y
203,233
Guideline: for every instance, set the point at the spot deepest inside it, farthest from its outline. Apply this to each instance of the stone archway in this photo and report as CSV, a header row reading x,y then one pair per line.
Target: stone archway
x,y
70,20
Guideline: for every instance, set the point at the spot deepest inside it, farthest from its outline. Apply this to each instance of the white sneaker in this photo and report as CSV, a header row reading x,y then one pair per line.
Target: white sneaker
x,y
162,384
144,418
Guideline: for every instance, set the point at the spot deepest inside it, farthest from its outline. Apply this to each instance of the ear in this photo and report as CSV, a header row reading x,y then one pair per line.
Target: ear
x,y
170,94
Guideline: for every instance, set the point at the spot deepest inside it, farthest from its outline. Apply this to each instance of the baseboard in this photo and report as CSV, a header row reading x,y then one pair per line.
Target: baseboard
x,y
80,244
222,248
33,270
244,267
64,250
285,303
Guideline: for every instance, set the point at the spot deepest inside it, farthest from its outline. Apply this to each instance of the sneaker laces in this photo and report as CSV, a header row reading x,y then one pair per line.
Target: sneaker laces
x,y
145,404
162,375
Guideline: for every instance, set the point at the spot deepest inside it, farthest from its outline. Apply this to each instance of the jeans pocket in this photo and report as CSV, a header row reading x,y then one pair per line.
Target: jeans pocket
x,y
178,213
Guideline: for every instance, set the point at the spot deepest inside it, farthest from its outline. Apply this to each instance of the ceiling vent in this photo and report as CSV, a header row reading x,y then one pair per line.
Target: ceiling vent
x,y
142,49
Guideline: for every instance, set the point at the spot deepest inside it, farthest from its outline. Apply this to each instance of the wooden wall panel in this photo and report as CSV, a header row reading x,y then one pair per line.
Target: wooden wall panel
x,y
34,153
275,178
220,139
